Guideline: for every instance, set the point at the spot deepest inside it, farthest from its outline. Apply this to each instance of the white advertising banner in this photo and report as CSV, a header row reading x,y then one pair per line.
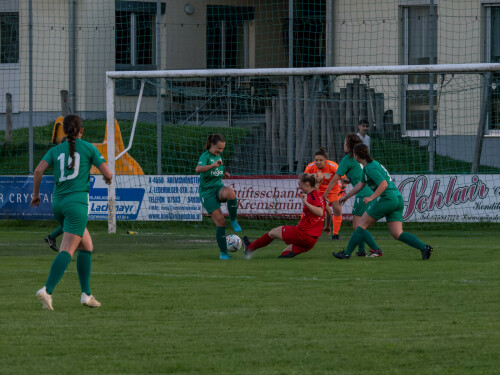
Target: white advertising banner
x,y
428,198
154,198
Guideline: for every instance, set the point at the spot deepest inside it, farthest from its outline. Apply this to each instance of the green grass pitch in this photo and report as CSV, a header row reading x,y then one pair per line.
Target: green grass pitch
x,y
169,306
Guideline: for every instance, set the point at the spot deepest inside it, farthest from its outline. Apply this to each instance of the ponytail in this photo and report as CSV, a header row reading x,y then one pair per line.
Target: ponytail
x,y
72,125
351,141
361,150
213,139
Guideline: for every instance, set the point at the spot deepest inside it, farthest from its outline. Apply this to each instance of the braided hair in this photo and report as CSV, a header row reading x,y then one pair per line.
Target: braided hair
x,y
72,125
213,139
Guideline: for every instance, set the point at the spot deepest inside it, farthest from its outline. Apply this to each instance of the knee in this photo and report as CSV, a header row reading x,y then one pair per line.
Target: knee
x,y
396,235
231,195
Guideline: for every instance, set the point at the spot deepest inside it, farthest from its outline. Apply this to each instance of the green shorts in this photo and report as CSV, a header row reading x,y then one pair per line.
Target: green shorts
x,y
359,207
210,199
72,212
390,208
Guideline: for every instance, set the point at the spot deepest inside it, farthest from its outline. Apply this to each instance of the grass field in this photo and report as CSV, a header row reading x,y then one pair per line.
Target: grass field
x,y
169,306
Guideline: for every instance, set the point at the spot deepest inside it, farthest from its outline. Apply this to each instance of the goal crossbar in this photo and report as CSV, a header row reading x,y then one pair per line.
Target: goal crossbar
x,y
341,70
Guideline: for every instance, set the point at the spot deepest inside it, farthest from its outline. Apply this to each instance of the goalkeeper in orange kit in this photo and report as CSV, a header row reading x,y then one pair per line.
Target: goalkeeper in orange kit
x,y
327,168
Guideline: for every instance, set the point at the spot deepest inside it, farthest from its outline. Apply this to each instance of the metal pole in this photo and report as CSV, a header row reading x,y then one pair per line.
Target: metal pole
x,y
330,29
432,145
30,79
476,162
110,130
290,91
72,56
159,109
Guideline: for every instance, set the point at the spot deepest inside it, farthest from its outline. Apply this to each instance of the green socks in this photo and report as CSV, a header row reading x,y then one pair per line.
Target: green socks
x,y
57,270
232,208
411,240
56,233
360,235
220,235
83,262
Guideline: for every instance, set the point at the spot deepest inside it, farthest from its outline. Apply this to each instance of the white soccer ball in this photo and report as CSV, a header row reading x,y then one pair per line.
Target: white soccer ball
x,y
233,242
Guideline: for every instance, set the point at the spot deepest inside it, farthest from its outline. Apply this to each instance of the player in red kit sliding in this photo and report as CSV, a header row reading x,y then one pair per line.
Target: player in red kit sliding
x,y
305,234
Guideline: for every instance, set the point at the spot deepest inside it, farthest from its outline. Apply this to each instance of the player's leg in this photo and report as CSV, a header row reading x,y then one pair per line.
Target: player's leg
x,y
264,240
361,247
301,243
361,234
336,219
220,233
395,224
51,238
226,194
83,267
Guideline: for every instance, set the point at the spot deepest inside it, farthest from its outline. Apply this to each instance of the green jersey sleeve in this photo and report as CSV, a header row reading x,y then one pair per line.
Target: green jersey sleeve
x,y
97,158
49,157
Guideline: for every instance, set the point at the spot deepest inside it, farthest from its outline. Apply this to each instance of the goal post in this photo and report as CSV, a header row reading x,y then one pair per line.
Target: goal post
x,y
324,110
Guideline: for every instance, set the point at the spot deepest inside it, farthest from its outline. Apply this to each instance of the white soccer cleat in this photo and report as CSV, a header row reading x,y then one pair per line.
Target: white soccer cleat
x,y
45,298
89,301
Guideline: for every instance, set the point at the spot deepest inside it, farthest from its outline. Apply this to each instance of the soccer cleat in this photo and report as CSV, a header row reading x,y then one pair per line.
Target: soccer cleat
x,y
224,256
45,298
89,301
235,226
246,250
426,253
341,255
289,254
335,237
375,253
51,242
360,254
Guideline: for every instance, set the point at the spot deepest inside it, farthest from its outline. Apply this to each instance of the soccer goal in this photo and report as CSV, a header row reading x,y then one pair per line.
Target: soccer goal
x,y
436,129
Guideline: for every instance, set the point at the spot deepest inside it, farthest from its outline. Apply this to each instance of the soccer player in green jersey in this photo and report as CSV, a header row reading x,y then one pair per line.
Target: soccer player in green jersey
x,y
71,162
352,169
385,201
213,192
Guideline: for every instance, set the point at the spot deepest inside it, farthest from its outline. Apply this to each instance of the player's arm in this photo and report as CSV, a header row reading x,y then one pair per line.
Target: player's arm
x,y
204,168
335,179
380,189
355,190
106,173
37,180
318,211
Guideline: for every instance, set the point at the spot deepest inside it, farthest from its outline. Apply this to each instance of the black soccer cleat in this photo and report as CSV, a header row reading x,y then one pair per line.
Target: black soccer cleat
x,y
246,250
290,254
341,255
426,253
360,254
335,237
51,242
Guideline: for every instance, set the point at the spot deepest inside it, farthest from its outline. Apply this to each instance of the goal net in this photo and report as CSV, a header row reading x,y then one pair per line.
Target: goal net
x,y
429,125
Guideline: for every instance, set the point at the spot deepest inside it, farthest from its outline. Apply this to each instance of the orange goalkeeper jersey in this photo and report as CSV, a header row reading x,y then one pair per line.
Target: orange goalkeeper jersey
x,y
328,172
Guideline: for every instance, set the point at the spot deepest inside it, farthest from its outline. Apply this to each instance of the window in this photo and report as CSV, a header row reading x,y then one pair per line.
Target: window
x,y
493,55
309,27
135,42
226,45
9,38
420,48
